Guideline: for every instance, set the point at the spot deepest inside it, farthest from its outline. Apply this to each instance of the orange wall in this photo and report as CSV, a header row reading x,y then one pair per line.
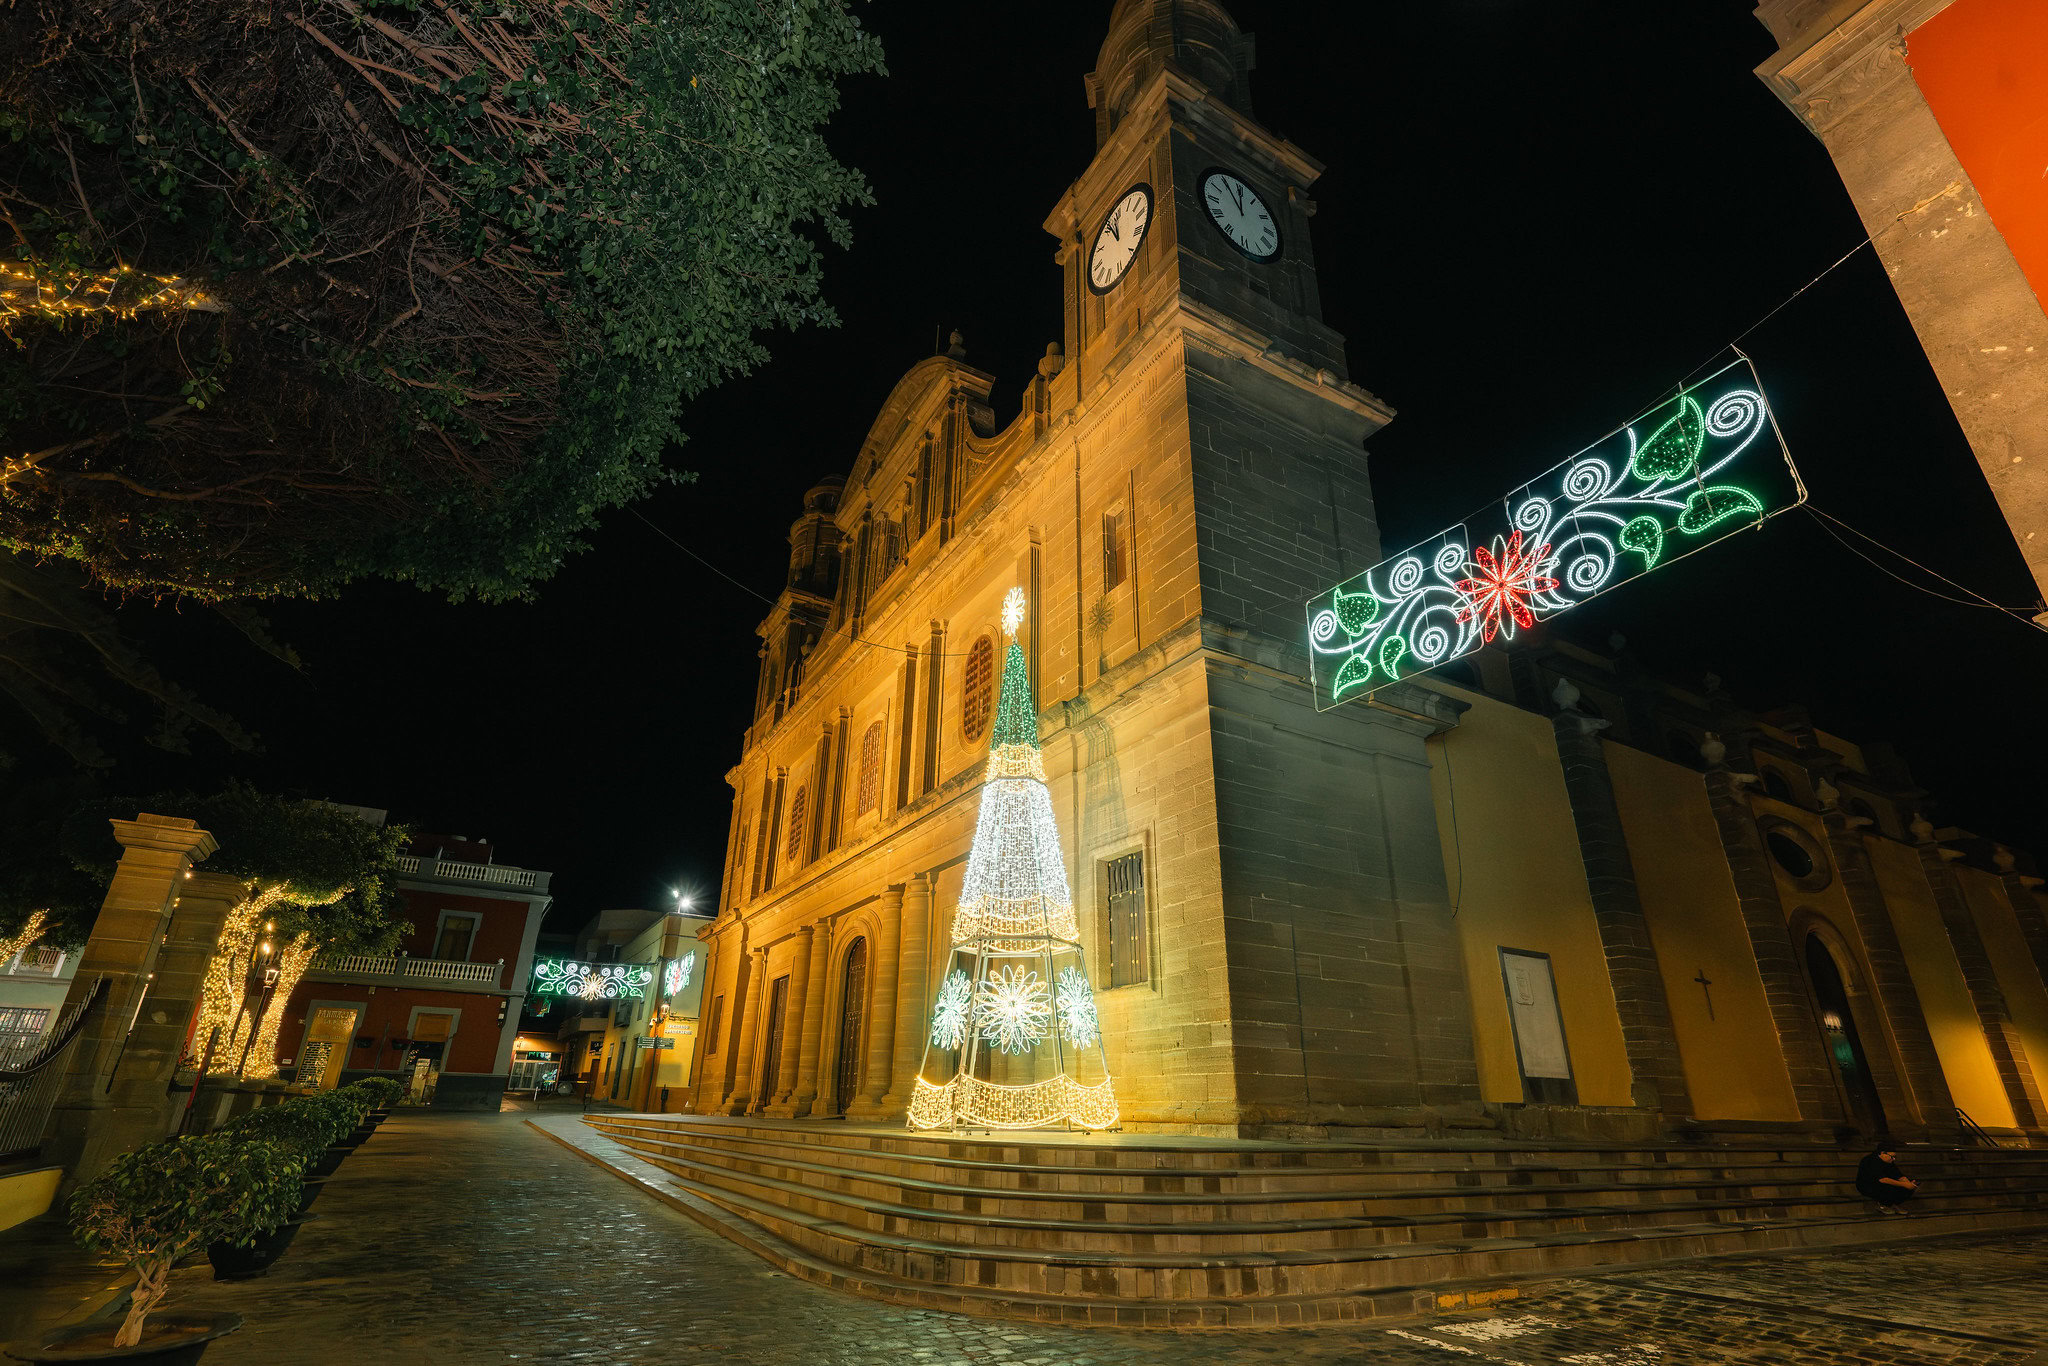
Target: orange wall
x,y
1983,67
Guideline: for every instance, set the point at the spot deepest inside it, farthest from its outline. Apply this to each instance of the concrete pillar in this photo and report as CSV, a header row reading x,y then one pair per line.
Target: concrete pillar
x,y
1814,1082
911,998
887,969
806,1098
796,1014
114,1099
1657,1074
1920,1077
1993,1013
180,981
743,1080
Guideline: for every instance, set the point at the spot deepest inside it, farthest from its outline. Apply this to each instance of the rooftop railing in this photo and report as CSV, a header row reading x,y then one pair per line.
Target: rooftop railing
x,y
454,870
398,966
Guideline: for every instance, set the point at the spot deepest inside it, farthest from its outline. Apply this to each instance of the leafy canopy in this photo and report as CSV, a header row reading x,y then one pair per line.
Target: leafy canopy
x,y
305,292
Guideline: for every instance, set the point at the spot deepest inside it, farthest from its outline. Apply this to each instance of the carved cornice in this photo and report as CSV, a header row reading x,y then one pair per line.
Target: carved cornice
x,y
1835,71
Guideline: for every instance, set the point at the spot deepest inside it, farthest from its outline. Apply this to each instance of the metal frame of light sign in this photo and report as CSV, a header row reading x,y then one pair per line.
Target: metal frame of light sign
x,y
1678,478
591,981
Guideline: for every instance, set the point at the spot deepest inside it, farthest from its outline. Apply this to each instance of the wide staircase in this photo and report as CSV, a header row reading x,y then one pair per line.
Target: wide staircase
x,y
1165,1232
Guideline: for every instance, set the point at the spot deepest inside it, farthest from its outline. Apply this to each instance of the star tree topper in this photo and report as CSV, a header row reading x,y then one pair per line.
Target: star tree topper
x,y
1013,611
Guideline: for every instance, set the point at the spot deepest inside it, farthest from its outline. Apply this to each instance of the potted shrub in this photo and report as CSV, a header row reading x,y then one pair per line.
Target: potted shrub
x,y
383,1092
305,1130
154,1206
275,1215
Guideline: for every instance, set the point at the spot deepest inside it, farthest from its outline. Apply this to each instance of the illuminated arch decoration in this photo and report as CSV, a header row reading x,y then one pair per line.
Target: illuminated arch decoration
x,y
1689,472
591,981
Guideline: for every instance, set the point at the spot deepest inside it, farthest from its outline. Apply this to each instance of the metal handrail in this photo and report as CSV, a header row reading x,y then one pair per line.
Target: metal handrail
x,y
1968,1129
28,1091
53,1042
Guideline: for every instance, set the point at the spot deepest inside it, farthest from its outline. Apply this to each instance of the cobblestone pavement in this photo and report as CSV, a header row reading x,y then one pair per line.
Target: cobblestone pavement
x,y
472,1238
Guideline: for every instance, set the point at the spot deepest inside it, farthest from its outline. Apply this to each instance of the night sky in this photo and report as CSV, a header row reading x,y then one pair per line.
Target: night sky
x,y
1537,216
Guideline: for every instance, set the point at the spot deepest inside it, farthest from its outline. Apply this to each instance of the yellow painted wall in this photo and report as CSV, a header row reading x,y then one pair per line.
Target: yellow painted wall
x,y
26,1195
2017,975
1511,858
1734,1067
1938,981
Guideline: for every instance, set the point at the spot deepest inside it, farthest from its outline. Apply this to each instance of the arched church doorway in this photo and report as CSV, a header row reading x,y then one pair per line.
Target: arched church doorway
x,y
853,1006
1838,1029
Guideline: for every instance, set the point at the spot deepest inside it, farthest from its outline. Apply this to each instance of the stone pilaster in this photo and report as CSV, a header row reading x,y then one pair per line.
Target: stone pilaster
x,y
806,1098
1993,1012
113,1099
755,990
911,998
882,1007
1656,1072
795,1026
1814,1084
1920,1079
2026,908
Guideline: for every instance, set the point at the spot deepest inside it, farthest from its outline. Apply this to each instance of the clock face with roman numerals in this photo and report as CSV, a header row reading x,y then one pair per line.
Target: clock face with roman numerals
x,y
1240,215
1118,239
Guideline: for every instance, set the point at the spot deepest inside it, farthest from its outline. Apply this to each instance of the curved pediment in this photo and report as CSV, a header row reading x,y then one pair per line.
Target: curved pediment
x,y
934,376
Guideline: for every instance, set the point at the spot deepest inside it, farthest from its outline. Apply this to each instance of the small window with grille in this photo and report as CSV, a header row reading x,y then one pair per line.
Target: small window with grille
x,y
1114,558
977,690
1124,928
870,770
799,811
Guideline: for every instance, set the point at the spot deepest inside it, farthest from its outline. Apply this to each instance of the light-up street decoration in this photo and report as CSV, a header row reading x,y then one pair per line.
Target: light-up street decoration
x,y
1689,472
591,981
676,975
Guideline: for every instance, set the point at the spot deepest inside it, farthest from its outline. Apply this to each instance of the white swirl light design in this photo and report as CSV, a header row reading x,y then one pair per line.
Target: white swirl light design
x,y
1647,494
950,1012
1074,1001
1012,1011
591,981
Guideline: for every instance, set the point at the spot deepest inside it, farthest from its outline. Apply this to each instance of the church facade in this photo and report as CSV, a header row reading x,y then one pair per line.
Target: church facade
x,y
1536,891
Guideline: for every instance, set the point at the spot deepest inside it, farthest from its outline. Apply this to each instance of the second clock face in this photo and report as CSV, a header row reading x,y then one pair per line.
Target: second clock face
x,y
1118,239
1241,216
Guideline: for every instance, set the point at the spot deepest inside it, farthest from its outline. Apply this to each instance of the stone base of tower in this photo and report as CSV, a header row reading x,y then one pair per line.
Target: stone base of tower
x,y
1150,1231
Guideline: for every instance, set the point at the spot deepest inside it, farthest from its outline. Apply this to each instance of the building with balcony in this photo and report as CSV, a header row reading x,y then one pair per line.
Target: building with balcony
x,y
32,987
442,1012
639,1051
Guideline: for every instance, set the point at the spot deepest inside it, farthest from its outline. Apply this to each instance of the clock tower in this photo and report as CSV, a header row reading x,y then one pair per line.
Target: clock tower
x,y
1216,428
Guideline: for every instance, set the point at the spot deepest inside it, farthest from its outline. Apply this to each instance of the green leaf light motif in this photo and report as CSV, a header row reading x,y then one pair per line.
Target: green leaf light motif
x,y
1717,503
1355,611
1674,448
1645,536
1392,650
1355,672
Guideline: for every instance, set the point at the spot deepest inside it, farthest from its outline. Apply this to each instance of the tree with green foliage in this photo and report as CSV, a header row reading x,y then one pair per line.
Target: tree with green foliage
x,y
302,293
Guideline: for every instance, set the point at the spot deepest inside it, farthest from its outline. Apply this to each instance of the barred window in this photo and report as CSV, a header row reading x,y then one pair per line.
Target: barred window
x,y
870,770
799,808
1124,920
977,690
1112,549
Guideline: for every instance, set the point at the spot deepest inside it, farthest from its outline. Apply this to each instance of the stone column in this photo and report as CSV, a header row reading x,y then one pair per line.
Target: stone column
x,y
886,962
1656,1072
1993,1013
743,1079
174,993
795,1016
806,1098
112,1099
1814,1084
911,1001
1921,1077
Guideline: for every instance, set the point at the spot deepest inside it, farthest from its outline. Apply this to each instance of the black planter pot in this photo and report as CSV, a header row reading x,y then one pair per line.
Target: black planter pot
x,y
325,1164
312,1186
363,1133
232,1263
379,1116
167,1340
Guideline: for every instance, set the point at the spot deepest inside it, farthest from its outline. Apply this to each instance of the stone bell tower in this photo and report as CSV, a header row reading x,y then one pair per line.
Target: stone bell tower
x,y
1307,970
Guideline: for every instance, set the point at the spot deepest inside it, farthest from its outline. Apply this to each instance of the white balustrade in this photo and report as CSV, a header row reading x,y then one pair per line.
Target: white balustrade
x,y
409,969
451,870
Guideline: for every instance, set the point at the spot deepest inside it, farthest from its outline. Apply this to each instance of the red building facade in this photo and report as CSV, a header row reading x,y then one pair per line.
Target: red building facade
x,y
442,1013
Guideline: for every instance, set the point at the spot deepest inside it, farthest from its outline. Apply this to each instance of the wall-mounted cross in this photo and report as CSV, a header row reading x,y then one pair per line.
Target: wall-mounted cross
x,y
1706,990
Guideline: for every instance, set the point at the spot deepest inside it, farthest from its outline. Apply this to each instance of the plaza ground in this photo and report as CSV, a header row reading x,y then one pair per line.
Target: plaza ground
x,y
474,1238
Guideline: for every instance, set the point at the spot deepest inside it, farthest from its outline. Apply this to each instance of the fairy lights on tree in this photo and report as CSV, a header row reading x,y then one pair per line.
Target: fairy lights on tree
x,y
1015,1042
1687,473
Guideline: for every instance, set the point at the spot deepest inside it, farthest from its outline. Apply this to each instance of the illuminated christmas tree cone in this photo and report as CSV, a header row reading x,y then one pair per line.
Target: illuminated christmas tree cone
x,y
1014,1042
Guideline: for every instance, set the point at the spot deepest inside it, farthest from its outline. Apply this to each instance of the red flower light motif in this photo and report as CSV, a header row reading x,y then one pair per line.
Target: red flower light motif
x,y
1498,594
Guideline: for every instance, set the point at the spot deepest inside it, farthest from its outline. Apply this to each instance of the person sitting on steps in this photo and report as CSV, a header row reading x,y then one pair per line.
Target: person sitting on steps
x,y
1878,1178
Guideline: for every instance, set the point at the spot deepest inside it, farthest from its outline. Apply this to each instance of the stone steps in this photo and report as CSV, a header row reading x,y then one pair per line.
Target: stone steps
x,y
1229,1235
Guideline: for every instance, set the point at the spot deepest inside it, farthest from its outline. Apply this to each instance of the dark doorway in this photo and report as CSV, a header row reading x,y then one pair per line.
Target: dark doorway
x,y
1838,1029
778,1002
853,1006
